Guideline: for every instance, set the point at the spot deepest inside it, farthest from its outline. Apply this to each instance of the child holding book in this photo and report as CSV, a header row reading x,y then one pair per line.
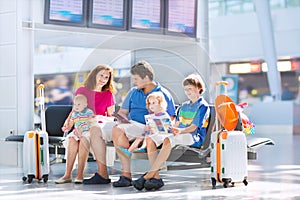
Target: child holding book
x,y
157,121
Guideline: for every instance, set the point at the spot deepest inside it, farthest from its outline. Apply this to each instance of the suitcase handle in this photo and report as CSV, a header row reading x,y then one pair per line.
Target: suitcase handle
x,y
42,106
225,83
219,84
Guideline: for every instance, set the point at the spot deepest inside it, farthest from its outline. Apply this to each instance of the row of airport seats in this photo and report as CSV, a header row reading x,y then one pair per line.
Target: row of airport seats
x,y
55,117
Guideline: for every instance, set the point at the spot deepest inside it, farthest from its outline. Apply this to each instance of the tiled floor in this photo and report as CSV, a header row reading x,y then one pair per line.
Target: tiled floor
x,y
274,175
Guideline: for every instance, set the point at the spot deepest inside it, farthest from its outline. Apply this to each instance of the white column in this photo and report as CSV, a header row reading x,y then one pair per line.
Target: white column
x,y
267,37
203,40
16,78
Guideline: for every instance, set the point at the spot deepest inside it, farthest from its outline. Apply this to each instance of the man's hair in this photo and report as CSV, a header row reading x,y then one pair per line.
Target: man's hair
x,y
195,80
143,69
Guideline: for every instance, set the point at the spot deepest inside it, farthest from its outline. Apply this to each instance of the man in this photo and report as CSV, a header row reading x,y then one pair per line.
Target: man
x,y
134,108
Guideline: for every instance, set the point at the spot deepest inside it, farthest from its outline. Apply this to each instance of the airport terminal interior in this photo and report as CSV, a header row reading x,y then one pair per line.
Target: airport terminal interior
x,y
251,44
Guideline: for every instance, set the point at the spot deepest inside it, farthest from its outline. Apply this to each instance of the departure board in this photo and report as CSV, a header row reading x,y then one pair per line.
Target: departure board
x,y
66,12
146,14
177,17
62,10
181,16
110,13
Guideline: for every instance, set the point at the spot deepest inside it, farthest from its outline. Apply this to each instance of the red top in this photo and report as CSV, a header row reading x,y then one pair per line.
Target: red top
x,y
97,101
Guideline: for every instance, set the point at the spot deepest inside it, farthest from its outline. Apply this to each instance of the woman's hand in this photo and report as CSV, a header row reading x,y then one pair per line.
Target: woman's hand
x,y
78,132
92,119
101,118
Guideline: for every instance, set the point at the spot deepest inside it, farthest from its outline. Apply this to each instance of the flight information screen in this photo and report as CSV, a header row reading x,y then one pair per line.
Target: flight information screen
x,y
181,16
108,13
146,14
62,10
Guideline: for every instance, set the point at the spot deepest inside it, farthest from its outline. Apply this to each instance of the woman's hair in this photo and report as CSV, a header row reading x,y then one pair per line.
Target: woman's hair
x,y
143,69
161,100
195,80
90,81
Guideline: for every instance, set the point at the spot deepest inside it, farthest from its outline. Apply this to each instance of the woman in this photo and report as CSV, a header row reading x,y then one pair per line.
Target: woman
x,y
98,88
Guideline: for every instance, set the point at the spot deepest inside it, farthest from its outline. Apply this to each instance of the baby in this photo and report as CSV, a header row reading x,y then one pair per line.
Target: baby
x,y
80,118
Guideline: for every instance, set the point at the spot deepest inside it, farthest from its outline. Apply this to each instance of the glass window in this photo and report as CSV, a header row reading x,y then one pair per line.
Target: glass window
x,y
216,8
292,3
277,4
238,7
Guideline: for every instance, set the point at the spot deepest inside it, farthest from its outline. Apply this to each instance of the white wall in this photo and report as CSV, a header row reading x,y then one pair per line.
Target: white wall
x,y
8,82
16,109
237,38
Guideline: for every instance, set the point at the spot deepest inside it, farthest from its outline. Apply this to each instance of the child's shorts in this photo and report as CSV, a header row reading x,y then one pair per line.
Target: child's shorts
x,y
85,134
182,139
133,130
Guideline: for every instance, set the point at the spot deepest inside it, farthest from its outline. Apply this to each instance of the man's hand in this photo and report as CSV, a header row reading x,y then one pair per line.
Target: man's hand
x,y
176,131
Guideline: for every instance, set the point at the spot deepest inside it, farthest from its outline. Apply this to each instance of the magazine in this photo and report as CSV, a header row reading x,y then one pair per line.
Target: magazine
x,y
159,124
120,118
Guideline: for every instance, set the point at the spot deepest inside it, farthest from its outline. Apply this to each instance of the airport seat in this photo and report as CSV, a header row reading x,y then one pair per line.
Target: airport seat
x,y
55,117
182,153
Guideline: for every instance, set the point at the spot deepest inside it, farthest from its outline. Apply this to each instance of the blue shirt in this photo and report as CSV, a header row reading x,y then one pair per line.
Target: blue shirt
x,y
135,102
195,113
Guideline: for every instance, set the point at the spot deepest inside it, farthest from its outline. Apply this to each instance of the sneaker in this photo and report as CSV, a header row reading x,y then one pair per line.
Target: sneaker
x,y
96,179
123,182
154,184
140,150
139,183
124,151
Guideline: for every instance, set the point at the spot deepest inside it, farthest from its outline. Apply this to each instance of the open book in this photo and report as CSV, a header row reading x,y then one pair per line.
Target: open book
x,y
159,124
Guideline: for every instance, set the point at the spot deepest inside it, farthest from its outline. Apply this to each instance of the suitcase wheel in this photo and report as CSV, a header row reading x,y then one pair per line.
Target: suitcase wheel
x,y
226,182
30,178
213,182
245,182
225,185
24,178
45,178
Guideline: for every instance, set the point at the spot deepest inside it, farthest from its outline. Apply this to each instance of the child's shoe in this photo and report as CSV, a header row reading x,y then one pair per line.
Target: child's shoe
x,y
140,150
124,151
